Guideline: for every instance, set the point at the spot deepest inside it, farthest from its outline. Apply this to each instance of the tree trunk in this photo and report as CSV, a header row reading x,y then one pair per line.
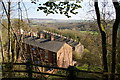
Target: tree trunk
x,y
2,49
103,36
9,31
114,38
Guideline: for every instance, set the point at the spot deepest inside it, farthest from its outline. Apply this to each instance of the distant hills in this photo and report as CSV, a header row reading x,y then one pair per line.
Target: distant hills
x,y
48,20
79,25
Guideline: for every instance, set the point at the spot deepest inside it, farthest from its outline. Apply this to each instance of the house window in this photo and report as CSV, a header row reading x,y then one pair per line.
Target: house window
x,y
54,59
46,54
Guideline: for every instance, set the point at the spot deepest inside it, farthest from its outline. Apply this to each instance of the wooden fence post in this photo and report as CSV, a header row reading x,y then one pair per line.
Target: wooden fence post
x,y
29,68
72,73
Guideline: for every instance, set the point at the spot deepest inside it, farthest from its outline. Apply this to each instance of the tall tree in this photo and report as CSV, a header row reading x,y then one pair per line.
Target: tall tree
x,y
9,29
114,37
103,37
12,53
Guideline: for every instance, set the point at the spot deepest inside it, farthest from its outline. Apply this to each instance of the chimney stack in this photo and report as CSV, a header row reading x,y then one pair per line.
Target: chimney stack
x,y
21,31
41,35
52,38
31,34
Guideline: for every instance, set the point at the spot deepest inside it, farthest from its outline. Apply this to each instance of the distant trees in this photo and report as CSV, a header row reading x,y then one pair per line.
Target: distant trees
x,y
18,23
92,61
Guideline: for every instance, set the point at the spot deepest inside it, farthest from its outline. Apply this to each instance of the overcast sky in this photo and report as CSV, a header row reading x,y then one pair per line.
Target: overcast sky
x,y
33,13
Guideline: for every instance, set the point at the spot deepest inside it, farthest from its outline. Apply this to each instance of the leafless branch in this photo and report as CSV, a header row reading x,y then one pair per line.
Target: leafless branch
x,y
26,13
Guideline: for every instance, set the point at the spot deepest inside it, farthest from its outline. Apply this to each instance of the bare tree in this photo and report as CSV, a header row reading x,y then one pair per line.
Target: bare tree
x,y
114,37
103,37
9,30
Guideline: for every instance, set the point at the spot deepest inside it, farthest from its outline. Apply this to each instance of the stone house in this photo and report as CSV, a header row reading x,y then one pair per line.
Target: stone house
x,y
47,51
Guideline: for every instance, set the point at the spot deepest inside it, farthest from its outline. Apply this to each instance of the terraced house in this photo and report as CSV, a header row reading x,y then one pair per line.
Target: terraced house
x,y
47,51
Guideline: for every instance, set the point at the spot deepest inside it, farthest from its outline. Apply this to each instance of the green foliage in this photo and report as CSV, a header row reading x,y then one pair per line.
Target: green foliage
x,y
76,55
60,72
61,8
86,51
84,67
90,32
90,61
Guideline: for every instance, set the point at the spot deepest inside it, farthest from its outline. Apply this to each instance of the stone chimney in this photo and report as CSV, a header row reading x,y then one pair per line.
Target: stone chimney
x,y
28,33
52,38
31,34
21,31
41,35
34,34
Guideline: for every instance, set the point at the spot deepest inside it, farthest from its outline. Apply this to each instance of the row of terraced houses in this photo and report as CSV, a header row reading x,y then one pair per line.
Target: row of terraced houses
x,y
55,50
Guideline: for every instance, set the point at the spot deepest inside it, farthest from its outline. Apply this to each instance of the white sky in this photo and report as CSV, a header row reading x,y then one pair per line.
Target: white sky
x,y
33,13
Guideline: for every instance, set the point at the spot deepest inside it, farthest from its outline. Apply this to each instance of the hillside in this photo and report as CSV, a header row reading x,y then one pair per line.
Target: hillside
x,y
79,25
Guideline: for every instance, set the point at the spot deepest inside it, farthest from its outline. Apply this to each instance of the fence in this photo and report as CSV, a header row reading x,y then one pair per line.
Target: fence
x,y
71,72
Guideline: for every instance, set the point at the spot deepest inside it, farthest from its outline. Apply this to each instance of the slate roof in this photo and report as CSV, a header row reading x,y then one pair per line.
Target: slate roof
x,y
46,44
72,43
68,41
